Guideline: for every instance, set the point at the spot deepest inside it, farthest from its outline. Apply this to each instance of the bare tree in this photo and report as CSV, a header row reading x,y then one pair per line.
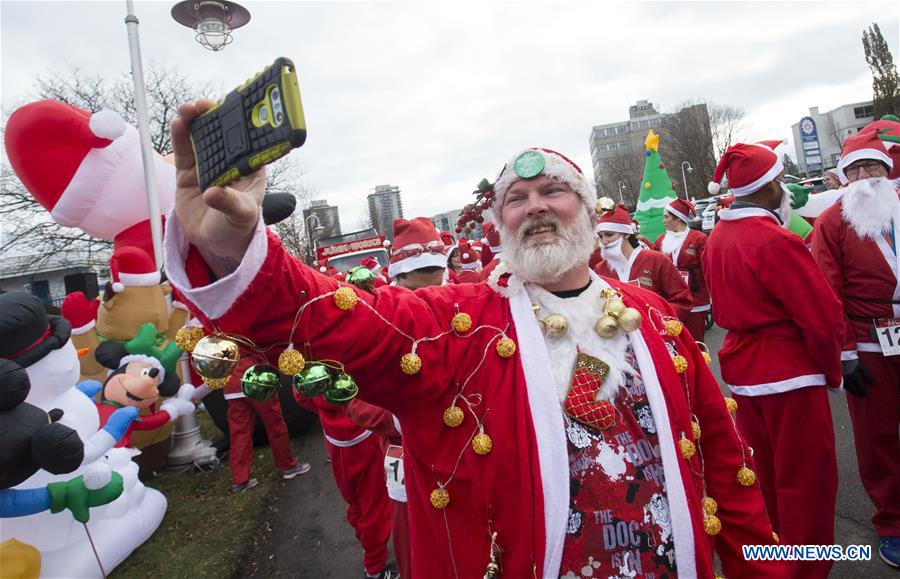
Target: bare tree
x,y
726,124
284,176
686,141
625,166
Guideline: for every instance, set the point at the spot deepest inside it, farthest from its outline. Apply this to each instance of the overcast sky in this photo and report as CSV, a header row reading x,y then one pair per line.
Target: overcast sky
x,y
433,97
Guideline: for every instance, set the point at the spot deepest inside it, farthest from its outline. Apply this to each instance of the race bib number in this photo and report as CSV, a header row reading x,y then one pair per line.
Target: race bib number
x,y
393,470
888,331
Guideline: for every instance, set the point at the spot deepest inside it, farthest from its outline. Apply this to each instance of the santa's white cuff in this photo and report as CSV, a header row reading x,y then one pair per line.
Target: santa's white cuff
x,y
215,299
849,355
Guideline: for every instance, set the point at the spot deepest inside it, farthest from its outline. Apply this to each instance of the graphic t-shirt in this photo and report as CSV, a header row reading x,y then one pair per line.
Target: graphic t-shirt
x,y
619,522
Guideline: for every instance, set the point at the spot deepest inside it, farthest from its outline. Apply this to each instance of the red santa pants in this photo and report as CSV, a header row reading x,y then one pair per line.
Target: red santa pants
x,y
400,539
792,437
876,420
241,419
359,474
695,322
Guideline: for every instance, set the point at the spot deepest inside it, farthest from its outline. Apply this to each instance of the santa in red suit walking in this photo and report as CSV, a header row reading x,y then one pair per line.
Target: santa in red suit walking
x,y
625,259
685,247
597,440
855,244
782,349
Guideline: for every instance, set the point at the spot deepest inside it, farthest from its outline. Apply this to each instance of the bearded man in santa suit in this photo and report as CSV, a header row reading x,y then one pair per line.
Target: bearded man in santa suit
x,y
782,349
855,244
685,247
625,259
567,449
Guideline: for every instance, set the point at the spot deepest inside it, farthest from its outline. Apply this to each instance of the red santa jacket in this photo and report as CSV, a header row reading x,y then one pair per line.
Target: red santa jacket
x,y
688,261
653,271
863,273
520,489
785,325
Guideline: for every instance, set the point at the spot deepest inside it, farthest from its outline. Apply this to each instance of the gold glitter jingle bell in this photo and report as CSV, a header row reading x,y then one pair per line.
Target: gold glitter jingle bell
x,y
461,323
707,357
453,416
680,362
710,506
291,362
606,327
410,364
746,477
555,325
506,348
695,428
615,307
440,498
215,358
187,337
688,448
712,525
673,328
731,405
482,443
345,298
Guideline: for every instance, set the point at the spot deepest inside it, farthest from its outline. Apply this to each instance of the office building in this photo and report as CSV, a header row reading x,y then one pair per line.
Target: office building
x,y
385,205
819,137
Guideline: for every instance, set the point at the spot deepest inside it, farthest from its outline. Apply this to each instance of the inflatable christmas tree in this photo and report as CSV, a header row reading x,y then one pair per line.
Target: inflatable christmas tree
x,y
656,191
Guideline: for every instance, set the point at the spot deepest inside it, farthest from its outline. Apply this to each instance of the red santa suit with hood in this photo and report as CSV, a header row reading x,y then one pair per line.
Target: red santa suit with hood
x,y
521,489
783,344
685,249
854,242
645,267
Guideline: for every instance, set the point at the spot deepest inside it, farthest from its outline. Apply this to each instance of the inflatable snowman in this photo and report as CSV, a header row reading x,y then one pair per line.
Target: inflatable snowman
x,y
42,345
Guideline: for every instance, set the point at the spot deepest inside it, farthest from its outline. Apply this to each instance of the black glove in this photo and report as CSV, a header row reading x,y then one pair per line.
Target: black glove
x,y
857,378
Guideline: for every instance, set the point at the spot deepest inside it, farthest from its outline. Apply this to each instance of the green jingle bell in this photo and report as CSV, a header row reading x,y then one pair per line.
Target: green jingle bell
x,y
260,382
361,277
312,381
342,391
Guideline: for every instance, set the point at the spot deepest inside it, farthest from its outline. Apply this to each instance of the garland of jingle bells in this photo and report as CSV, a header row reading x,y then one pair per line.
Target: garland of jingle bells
x,y
215,356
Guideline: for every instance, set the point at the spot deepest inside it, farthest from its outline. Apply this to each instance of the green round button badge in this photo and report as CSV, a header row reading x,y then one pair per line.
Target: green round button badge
x,y
529,164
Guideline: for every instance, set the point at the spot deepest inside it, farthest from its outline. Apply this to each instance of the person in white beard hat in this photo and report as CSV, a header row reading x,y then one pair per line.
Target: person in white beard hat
x,y
785,328
685,247
625,259
855,244
578,426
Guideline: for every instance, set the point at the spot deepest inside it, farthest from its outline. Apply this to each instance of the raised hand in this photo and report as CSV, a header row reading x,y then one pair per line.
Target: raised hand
x,y
220,221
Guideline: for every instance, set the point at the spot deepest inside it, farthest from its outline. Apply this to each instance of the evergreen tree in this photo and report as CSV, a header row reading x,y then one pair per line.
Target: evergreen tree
x,y
885,89
656,191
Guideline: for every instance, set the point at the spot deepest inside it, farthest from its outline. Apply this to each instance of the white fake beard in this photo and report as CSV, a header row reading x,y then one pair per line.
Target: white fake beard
x,y
612,253
547,262
672,240
784,210
868,205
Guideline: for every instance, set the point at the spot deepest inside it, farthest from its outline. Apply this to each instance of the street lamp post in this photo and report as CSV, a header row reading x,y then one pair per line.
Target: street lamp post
x,y
621,186
684,178
309,233
212,20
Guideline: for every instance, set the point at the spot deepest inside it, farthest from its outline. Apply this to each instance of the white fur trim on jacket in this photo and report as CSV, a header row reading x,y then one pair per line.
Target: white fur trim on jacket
x,y
549,431
347,443
795,383
682,525
215,299
745,212
758,184
149,360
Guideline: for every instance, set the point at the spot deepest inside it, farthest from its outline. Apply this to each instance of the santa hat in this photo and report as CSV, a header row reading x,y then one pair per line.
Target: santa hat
x,y
535,162
448,239
492,237
636,224
369,263
682,209
79,311
749,166
469,257
131,266
617,220
416,245
863,145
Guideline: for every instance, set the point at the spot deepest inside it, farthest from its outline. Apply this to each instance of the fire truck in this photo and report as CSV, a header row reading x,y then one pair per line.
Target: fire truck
x,y
345,252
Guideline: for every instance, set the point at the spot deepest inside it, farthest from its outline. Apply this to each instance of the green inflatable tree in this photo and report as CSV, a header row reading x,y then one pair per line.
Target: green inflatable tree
x,y
656,191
